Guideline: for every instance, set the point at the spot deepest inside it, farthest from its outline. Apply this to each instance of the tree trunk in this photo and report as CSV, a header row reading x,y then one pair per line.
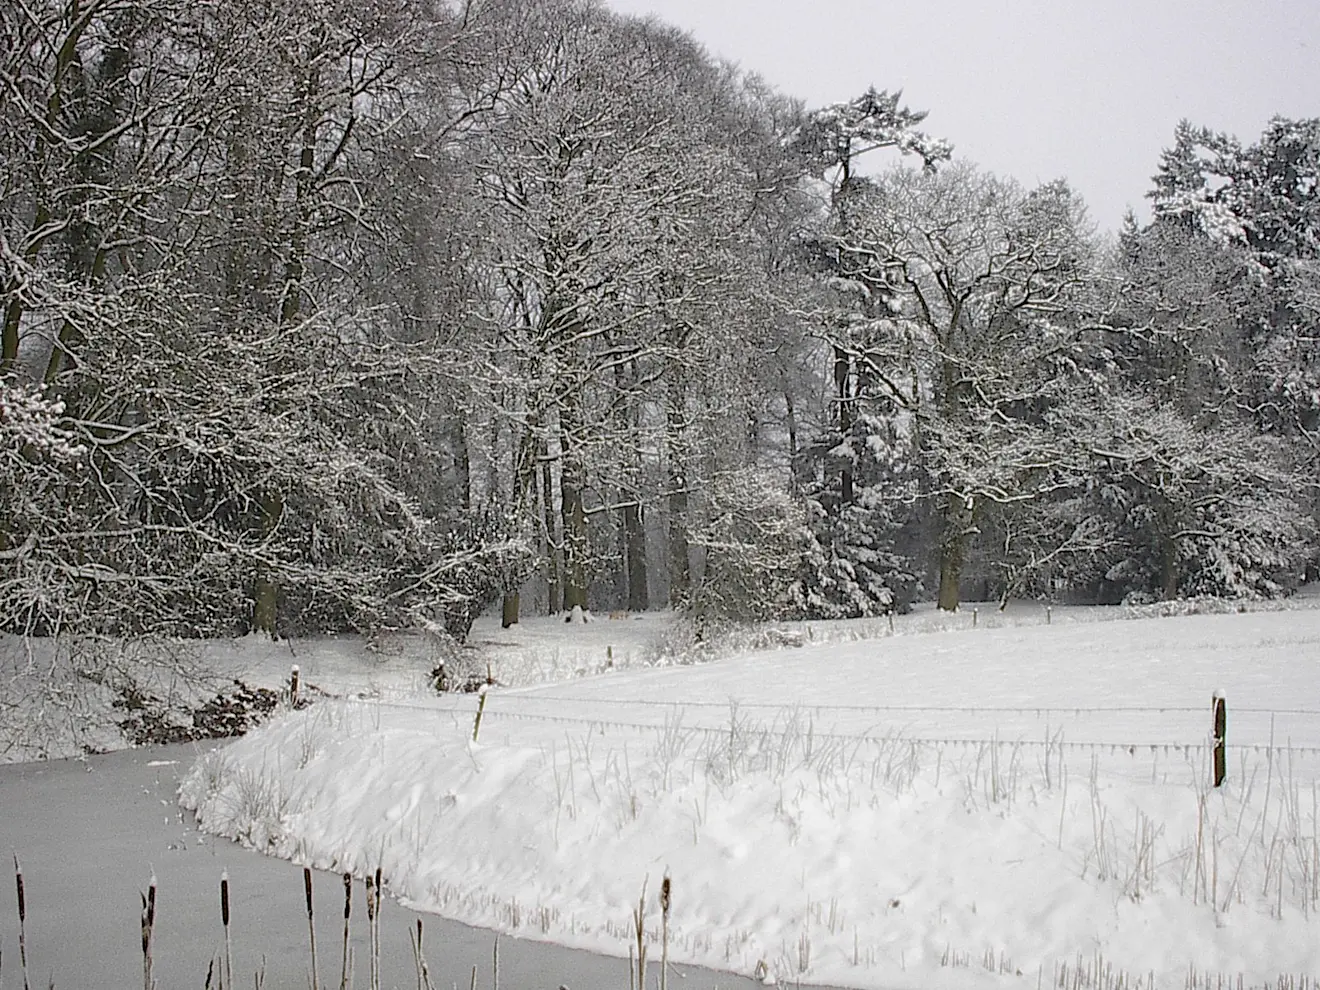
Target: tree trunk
x,y
639,599
680,562
1169,571
509,609
9,339
843,396
953,550
463,465
573,515
574,519
551,543
265,593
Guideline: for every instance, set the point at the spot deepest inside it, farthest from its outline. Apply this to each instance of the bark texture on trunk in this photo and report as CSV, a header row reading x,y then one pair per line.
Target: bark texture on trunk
x,y
573,514
953,550
676,527
1169,572
843,396
265,592
639,598
509,609
551,541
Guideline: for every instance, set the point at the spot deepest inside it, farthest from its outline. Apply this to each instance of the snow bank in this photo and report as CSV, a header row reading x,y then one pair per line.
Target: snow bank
x,y
976,807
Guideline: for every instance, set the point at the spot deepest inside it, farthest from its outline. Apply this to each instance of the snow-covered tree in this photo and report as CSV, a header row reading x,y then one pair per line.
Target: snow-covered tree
x,y
989,293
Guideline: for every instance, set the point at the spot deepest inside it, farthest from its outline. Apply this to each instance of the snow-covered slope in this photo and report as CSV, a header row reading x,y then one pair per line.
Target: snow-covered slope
x,y
973,806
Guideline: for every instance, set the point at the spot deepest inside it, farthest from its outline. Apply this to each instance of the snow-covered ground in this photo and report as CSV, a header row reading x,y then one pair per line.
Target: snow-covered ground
x,y
972,801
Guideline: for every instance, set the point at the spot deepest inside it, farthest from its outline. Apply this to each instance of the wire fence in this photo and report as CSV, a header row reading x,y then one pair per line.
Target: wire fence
x,y
513,708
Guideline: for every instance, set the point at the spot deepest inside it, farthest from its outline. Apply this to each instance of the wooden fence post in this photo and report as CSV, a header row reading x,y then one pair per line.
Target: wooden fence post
x,y
481,709
1219,734
293,686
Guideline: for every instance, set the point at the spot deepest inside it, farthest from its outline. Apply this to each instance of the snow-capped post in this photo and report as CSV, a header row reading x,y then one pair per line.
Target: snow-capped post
x,y
890,615
481,710
1049,615
293,686
609,657
1219,734
975,615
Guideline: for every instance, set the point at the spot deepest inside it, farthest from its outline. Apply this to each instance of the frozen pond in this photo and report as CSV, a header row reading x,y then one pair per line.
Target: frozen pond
x,y
89,833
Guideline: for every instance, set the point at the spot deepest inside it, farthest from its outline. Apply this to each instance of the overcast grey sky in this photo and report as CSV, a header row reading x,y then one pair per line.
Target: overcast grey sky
x,y
1037,89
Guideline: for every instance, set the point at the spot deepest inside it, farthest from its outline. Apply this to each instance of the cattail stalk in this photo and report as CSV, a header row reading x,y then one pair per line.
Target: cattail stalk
x,y
495,964
639,929
373,925
664,933
22,920
311,925
224,920
419,960
371,933
148,926
344,970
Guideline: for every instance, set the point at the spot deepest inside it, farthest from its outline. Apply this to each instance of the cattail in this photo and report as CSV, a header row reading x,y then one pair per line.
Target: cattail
x,y
22,920
419,960
375,931
348,910
311,925
373,976
664,933
639,930
224,920
148,925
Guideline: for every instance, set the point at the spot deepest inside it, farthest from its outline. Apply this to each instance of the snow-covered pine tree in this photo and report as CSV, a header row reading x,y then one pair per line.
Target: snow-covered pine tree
x,y
860,559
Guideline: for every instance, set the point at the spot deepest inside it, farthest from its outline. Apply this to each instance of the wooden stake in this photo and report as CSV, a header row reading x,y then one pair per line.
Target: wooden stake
x,y
481,709
1219,733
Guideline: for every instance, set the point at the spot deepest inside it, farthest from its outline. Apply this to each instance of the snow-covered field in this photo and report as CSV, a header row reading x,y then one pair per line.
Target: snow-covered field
x,y
1008,803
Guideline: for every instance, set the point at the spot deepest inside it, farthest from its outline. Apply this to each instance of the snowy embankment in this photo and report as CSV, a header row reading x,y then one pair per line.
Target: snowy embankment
x,y
971,807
